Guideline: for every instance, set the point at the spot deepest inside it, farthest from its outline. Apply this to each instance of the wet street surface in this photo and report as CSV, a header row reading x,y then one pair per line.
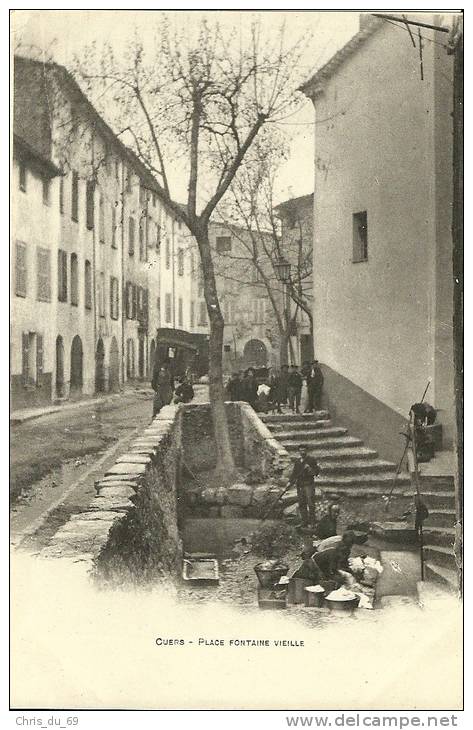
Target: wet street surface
x,y
55,460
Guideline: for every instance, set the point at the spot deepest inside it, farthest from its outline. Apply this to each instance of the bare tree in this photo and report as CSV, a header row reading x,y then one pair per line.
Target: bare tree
x,y
198,98
252,217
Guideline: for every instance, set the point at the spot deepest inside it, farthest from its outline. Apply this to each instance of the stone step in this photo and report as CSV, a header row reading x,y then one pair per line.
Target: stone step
x,y
444,536
440,518
291,418
332,442
357,453
445,577
315,435
282,429
438,500
361,479
348,466
440,555
370,491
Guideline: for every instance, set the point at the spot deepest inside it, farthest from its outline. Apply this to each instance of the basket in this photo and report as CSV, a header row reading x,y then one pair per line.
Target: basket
x,y
268,577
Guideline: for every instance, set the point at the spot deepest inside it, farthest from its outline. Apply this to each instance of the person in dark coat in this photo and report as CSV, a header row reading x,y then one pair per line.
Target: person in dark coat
x,y
284,384
294,389
324,565
315,381
327,526
234,387
184,392
163,386
304,472
250,388
275,395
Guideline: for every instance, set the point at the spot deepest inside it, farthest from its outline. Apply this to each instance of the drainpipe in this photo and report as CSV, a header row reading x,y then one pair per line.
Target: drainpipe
x,y
94,268
123,296
173,298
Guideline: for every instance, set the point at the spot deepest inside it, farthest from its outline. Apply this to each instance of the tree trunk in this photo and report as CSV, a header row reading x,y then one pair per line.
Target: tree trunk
x,y
224,454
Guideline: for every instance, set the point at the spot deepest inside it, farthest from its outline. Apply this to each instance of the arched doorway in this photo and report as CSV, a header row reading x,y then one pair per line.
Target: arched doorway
x,y
100,367
76,367
255,353
59,367
152,355
114,372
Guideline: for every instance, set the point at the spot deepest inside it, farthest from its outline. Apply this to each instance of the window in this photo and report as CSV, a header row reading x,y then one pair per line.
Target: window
x,y
223,244
61,195
259,311
21,279
158,237
89,204
101,219
88,285
131,236
114,227
43,270
168,254
192,264
113,297
158,310
142,239
117,169
22,176
192,315
74,280
180,313
75,196
130,359
360,236
202,314
167,309
62,276
46,191
180,262
101,294
129,300
32,358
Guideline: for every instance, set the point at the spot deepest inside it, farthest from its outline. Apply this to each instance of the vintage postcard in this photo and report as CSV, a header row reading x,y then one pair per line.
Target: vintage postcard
x,y
236,361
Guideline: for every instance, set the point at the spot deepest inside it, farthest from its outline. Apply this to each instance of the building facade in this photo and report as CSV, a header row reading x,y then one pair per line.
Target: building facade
x,y
383,288
88,232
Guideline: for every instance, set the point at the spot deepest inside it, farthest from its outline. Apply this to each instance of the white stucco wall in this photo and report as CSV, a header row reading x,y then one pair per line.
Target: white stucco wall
x,y
375,321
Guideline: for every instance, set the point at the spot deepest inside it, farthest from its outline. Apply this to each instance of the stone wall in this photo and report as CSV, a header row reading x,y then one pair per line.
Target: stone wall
x,y
198,439
129,533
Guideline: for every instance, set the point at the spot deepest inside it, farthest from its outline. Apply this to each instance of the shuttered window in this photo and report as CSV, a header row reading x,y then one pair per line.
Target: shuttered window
x,y
21,278
192,314
202,314
89,204
75,196
32,358
180,313
168,254
101,219
113,297
168,309
61,195
43,271
74,280
131,236
62,276
142,239
180,262
101,294
88,285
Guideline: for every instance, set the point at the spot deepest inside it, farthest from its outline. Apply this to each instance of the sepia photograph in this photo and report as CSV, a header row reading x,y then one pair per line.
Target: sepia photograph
x,y
236,360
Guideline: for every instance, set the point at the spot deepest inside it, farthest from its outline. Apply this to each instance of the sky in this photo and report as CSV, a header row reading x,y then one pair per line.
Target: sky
x,y
65,32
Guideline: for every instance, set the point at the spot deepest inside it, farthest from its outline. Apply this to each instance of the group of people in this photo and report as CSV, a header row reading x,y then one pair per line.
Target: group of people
x,y
279,388
167,388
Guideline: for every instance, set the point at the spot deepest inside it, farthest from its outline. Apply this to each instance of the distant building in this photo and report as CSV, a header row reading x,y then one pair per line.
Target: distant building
x,y
383,289
90,291
297,233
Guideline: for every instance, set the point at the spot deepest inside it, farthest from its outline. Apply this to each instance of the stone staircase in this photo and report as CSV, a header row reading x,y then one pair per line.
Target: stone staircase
x,y
438,493
347,466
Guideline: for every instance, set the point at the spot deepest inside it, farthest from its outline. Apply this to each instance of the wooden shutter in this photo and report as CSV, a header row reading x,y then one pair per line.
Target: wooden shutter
x,y
134,302
21,272
39,359
24,357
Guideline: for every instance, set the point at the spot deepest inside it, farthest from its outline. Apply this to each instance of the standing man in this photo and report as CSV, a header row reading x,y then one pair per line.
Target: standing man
x,y
251,388
294,389
315,381
163,386
284,384
303,474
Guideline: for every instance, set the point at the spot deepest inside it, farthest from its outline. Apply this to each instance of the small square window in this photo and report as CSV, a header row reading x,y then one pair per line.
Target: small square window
x,y
360,237
223,244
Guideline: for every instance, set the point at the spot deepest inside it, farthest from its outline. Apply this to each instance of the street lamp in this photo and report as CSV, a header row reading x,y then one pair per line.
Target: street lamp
x,y
283,272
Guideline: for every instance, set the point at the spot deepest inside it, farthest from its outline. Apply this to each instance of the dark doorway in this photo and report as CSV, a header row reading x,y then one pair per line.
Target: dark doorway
x,y
100,367
76,367
114,374
59,367
152,355
255,353
141,356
